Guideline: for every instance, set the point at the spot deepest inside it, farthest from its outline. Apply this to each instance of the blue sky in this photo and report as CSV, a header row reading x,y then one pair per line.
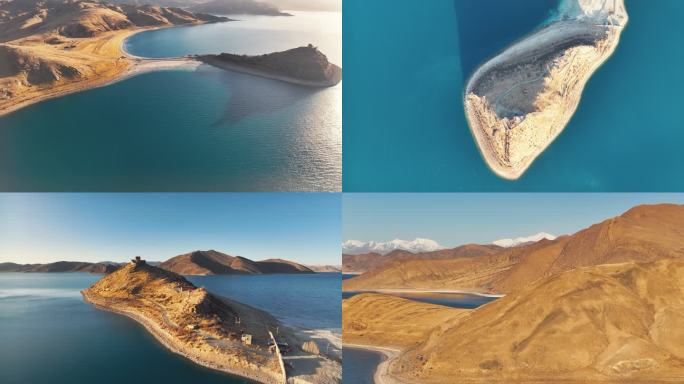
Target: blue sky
x,y
455,219
38,228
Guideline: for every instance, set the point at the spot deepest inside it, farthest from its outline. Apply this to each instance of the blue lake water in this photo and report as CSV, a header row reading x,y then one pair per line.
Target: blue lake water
x,y
454,300
49,335
405,129
200,130
359,365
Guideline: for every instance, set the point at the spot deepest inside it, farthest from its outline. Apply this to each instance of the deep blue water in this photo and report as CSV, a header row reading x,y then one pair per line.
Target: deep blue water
x,y
203,130
49,335
404,126
359,365
305,300
454,300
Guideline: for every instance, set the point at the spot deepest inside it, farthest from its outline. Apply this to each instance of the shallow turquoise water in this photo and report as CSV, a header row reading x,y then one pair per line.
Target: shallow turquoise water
x,y
204,130
49,335
405,129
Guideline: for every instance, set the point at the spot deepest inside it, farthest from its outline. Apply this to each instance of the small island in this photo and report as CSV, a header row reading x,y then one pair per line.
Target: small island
x,y
518,102
210,330
303,65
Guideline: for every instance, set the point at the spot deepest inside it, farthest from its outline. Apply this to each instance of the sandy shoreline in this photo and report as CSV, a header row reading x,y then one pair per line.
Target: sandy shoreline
x,y
135,66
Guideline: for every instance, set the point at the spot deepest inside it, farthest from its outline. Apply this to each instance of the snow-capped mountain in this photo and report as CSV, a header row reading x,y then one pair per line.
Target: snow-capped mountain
x,y
523,240
355,247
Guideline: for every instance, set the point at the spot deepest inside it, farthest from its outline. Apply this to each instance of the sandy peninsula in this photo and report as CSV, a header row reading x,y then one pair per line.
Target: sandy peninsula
x,y
518,102
51,49
213,331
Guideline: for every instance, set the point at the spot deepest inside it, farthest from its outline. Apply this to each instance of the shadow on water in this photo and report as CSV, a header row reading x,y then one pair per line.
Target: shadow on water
x,y
253,95
486,27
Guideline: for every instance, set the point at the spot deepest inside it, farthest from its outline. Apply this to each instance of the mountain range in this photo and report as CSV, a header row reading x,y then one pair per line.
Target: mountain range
x,y
507,243
644,233
364,262
355,247
193,263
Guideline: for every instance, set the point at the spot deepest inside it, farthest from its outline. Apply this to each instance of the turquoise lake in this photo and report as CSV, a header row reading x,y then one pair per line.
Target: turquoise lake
x,y
50,335
192,130
404,126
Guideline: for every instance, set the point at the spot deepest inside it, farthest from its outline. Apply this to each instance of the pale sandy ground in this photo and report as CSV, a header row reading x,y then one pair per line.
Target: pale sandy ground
x,y
308,368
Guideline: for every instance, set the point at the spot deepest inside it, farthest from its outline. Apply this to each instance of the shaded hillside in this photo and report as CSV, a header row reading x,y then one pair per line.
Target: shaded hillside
x,y
60,266
615,322
365,262
644,233
238,7
303,65
216,263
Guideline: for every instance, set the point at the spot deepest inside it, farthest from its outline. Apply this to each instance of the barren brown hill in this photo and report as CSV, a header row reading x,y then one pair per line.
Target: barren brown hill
x,y
190,321
49,48
216,263
609,323
389,321
303,65
365,262
60,266
644,233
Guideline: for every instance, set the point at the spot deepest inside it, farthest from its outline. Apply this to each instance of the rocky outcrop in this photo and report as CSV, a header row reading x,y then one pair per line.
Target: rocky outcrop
x,y
304,65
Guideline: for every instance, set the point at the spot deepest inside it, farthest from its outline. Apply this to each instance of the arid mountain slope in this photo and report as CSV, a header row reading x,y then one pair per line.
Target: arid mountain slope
x,y
190,321
216,263
48,48
60,266
389,321
365,262
644,233
616,323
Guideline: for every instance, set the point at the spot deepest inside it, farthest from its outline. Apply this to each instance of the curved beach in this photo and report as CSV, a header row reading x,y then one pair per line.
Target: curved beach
x,y
519,102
